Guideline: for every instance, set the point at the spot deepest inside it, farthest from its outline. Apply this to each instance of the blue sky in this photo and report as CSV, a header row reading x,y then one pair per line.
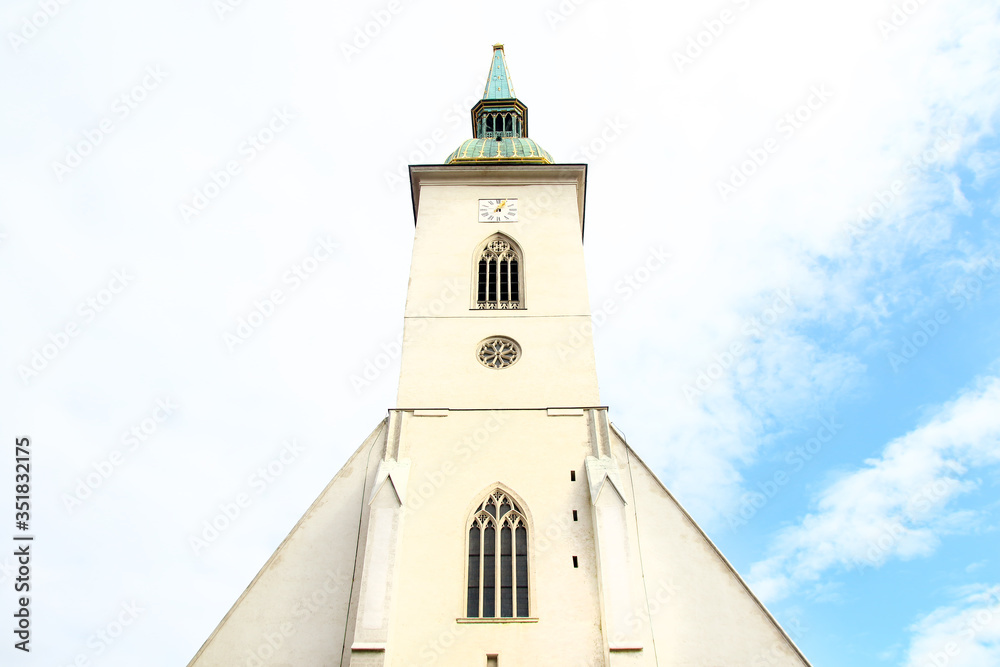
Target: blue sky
x,y
815,373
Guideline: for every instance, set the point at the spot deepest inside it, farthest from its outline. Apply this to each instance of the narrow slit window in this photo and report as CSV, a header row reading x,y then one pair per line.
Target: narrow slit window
x,y
506,573
473,598
521,570
489,572
514,294
504,281
483,273
491,277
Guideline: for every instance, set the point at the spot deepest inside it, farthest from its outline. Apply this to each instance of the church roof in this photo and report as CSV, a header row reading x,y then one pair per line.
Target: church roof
x,y
499,124
506,149
498,85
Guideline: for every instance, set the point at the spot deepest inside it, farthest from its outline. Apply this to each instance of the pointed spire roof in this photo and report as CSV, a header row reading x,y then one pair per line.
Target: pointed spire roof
x,y
498,85
499,124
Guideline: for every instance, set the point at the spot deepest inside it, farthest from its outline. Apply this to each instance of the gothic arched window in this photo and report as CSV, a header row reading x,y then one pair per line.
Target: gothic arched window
x,y
498,560
498,284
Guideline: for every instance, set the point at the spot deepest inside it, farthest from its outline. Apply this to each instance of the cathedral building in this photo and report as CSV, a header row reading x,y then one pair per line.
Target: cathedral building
x,y
496,517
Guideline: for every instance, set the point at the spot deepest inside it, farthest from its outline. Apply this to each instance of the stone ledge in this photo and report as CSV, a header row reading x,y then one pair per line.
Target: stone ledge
x,y
431,413
368,646
519,619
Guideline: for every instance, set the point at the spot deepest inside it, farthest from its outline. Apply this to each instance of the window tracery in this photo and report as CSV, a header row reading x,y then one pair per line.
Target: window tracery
x,y
498,284
498,352
498,560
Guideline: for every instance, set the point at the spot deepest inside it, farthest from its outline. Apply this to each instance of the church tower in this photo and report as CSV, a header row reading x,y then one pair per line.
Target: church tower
x,y
496,516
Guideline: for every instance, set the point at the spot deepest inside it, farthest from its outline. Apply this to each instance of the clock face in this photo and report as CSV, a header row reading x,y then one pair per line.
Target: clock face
x,y
497,210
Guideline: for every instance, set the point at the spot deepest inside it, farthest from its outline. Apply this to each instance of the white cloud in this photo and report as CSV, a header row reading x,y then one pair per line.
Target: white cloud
x,y
964,634
362,118
898,505
907,109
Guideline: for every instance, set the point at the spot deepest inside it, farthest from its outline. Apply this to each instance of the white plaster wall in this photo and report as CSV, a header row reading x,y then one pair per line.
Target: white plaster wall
x,y
456,460
442,369
442,326
701,613
295,610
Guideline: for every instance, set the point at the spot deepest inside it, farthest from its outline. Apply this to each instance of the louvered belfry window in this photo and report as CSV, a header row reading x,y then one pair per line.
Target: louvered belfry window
x,y
500,124
498,560
498,286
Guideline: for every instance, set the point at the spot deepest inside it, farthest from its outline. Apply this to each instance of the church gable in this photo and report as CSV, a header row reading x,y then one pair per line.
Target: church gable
x,y
296,610
700,611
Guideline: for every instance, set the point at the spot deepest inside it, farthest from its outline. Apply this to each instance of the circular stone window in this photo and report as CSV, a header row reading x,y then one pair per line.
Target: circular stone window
x,y
498,352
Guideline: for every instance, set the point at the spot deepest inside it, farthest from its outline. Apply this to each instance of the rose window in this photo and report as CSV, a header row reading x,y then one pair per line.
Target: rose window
x,y
498,352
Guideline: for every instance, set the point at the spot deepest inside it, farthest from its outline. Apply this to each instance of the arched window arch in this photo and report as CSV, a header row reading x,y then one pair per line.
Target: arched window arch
x,y
499,271
498,559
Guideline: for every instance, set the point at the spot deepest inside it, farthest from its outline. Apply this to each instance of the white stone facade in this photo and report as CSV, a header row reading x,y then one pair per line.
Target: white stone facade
x,y
376,572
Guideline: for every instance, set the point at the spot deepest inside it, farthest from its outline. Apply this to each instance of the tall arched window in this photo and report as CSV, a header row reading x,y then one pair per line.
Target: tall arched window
x,y
498,285
498,560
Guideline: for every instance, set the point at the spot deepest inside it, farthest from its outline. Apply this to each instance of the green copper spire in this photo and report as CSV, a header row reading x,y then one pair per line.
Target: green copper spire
x,y
498,86
499,124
